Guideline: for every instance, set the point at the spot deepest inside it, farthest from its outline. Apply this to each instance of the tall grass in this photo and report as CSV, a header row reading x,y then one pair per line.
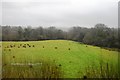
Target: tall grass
x,y
44,70
104,70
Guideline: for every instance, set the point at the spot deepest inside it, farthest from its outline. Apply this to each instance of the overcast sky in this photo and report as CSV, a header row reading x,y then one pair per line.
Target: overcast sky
x,y
60,13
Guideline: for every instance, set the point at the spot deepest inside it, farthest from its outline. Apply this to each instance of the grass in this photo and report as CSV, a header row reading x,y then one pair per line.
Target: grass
x,y
67,59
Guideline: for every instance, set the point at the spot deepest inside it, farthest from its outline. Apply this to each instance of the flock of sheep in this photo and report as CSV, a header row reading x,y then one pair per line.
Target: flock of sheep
x,y
9,47
17,46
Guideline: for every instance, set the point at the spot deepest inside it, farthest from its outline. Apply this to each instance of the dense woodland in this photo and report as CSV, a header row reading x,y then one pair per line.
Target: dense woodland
x,y
100,35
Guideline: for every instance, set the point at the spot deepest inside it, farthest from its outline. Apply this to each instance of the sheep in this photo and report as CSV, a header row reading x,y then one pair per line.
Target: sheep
x,y
60,65
33,46
9,49
55,47
68,48
20,44
11,46
7,46
43,47
28,44
13,56
24,46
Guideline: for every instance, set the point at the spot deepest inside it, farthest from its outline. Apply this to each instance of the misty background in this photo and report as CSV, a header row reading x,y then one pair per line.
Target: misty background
x,y
60,13
93,22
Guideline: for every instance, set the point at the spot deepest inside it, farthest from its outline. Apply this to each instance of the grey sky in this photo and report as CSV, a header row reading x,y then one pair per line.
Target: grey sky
x,y
60,13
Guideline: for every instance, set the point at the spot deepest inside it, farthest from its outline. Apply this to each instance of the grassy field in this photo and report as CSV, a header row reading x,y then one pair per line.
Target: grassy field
x,y
57,58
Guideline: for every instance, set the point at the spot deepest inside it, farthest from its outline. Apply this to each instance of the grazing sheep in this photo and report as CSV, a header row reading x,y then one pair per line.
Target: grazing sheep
x,y
11,46
43,47
55,47
24,46
9,49
14,46
13,56
60,65
28,44
68,48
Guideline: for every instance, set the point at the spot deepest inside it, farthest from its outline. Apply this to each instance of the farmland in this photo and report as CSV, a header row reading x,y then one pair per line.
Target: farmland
x,y
57,59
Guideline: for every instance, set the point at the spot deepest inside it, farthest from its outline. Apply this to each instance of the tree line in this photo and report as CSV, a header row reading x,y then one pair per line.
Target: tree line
x,y
100,35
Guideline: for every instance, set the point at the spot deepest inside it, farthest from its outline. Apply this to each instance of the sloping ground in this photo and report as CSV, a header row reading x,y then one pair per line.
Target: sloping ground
x,y
74,60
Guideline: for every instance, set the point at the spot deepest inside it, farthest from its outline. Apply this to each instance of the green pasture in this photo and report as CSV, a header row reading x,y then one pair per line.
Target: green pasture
x,y
66,59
